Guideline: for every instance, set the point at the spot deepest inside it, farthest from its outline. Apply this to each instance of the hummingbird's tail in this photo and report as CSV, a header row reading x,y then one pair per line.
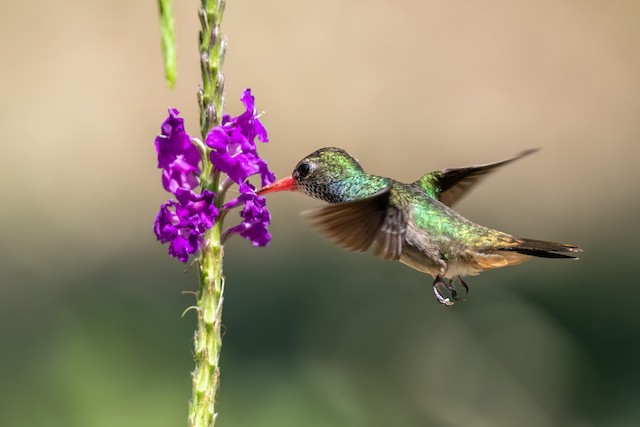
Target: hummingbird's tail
x,y
543,249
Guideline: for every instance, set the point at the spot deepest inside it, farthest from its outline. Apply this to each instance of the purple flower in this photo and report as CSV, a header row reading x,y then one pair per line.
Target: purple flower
x,y
177,156
184,222
255,225
234,150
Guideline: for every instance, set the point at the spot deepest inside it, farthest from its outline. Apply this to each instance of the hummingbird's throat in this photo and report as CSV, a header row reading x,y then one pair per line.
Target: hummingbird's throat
x,y
285,184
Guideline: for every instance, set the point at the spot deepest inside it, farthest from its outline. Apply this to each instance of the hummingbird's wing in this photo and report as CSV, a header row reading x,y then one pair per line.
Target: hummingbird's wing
x,y
357,225
450,185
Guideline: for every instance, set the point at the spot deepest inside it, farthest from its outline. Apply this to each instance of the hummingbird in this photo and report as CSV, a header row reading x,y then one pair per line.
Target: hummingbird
x,y
412,223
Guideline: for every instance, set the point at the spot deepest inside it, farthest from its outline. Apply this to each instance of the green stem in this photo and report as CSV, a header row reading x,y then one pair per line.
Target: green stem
x,y
167,29
208,338
212,49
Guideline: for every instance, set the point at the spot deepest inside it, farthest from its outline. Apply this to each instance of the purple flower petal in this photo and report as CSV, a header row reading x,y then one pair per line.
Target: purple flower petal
x,y
183,245
180,174
233,147
165,224
256,217
177,156
248,100
184,222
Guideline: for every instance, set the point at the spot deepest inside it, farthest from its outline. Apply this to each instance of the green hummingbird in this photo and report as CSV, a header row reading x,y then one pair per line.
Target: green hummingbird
x,y
411,223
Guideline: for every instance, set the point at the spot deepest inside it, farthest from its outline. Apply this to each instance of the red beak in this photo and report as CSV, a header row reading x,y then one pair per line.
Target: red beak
x,y
285,184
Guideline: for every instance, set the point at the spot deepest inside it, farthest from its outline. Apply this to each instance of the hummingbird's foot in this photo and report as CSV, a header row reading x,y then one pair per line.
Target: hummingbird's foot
x,y
436,291
451,287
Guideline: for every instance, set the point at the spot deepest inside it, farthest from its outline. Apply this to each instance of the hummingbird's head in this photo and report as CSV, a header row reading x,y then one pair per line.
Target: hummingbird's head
x,y
319,175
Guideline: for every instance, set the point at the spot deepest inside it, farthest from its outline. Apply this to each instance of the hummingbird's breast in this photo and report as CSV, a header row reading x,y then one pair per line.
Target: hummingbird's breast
x,y
352,188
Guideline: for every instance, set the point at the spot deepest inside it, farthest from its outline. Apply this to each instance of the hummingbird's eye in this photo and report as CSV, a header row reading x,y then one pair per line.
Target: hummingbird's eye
x,y
303,170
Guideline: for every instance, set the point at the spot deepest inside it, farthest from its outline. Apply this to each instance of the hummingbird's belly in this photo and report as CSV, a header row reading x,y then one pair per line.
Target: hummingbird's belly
x,y
417,260
420,265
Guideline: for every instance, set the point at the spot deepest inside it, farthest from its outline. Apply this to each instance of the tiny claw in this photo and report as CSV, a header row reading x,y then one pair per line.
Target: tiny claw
x,y
451,287
464,285
436,291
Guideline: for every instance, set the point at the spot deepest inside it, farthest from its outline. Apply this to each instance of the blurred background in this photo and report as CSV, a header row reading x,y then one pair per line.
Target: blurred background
x,y
90,304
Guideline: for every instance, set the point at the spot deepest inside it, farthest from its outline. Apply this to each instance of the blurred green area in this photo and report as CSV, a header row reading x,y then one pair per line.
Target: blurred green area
x,y
90,304
319,337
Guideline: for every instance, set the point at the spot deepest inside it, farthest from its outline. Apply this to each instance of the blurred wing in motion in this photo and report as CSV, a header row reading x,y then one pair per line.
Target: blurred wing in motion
x,y
357,225
450,185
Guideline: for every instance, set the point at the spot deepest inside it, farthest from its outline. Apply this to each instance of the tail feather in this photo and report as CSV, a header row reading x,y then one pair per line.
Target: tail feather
x,y
540,248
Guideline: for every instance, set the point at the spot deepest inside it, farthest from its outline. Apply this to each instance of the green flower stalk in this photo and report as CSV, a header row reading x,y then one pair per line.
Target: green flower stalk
x,y
212,49
192,223
208,337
